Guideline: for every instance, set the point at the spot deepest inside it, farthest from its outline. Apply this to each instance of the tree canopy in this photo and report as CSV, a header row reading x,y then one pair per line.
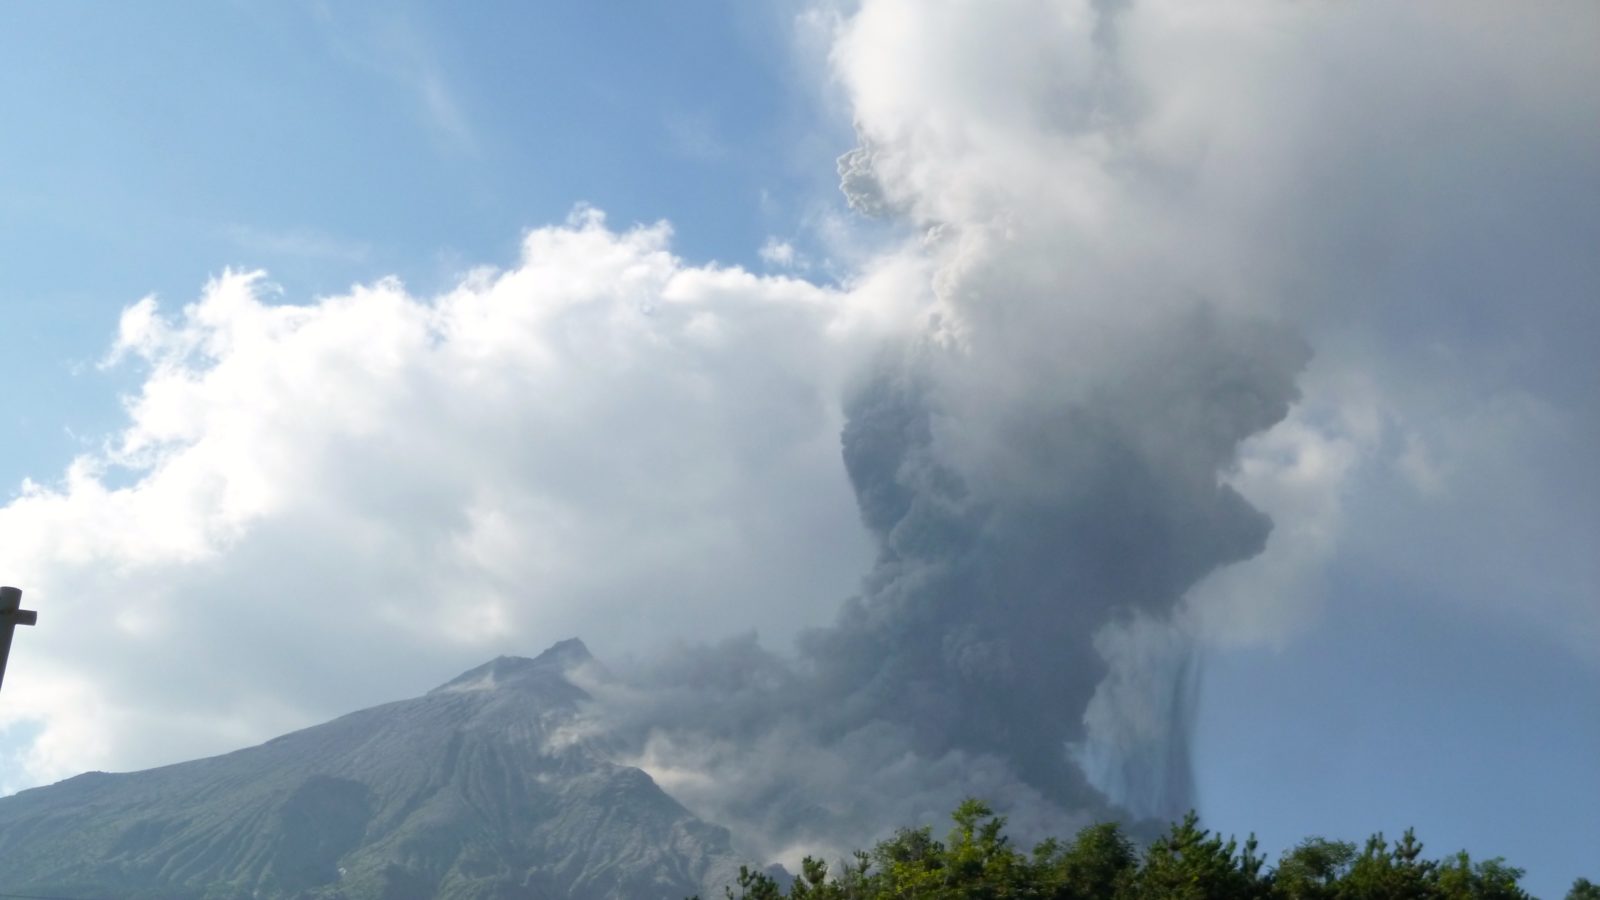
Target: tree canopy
x,y
977,861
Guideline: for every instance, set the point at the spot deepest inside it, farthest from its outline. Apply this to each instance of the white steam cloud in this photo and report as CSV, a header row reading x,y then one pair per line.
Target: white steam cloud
x,y
602,434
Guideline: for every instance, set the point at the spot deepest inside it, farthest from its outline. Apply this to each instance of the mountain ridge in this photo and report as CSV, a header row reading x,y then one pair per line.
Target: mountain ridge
x,y
471,790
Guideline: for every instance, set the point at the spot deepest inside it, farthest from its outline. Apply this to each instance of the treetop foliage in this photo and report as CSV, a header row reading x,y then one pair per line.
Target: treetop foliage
x,y
978,862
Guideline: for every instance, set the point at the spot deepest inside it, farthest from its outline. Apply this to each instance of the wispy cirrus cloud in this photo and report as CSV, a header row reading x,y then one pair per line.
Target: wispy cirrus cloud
x,y
392,46
300,243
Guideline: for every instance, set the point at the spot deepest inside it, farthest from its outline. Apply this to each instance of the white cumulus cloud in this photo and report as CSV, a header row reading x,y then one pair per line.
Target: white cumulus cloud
x,y
316,504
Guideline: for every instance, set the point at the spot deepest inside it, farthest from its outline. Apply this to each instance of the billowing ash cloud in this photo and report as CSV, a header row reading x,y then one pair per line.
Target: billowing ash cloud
x,y
1024,552
1042,466
976,629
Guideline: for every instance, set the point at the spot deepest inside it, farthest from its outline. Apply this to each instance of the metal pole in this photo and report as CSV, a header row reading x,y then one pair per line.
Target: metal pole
x,y
10,617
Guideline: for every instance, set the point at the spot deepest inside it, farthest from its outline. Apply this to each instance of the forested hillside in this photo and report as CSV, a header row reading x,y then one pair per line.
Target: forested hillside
x,y
977,861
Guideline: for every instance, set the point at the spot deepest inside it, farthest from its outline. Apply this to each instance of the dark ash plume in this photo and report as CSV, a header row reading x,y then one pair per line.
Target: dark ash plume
x,y
976,629
969,661
1042,468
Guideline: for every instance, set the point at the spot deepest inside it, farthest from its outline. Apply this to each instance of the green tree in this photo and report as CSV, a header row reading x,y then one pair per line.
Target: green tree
x,y
1190,863
1382,872
1584,889
1100,864
1312,870
1459,879
981,862
754,885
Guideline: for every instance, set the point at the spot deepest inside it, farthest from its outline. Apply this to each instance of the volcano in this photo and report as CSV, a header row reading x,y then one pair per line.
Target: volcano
x,y
481,788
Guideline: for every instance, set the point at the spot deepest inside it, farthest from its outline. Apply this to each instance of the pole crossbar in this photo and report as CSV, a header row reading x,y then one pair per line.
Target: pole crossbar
x,y
11,615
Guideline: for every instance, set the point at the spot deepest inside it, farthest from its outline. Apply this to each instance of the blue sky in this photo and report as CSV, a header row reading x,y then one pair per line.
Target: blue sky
x,y
167,144
1417,647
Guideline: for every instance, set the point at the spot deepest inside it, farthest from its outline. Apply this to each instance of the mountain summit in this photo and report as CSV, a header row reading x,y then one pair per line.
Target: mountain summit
x,y
477,789
550,666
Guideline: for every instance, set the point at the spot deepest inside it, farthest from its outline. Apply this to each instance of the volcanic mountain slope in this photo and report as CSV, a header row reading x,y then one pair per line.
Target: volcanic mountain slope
x,y
469,791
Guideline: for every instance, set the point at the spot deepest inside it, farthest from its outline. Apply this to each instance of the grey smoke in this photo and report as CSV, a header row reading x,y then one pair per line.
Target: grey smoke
x,y
976,629
1027,549
1043,469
